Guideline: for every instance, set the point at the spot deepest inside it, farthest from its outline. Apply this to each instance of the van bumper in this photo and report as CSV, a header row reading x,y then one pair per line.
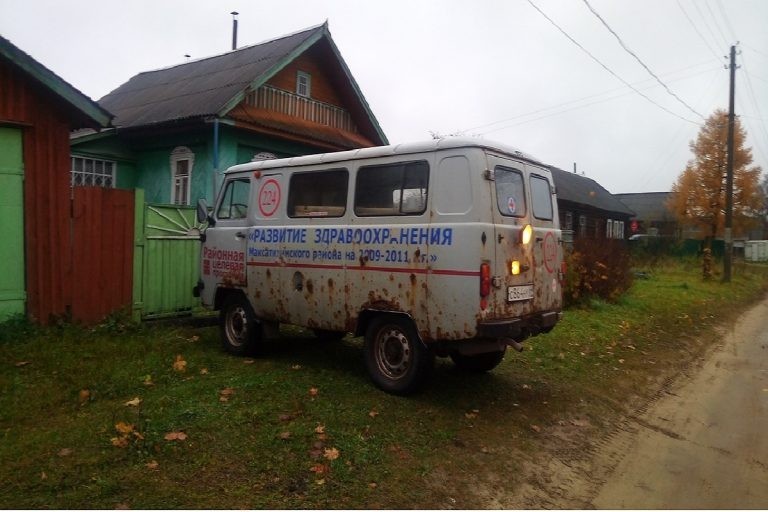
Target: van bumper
x,y
519,328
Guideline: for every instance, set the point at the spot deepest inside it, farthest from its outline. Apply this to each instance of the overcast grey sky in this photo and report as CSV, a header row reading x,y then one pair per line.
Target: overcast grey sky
x,y
493,68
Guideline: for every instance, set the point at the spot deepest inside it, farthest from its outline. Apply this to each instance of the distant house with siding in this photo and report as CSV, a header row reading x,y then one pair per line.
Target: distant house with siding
x,y
652,216
587,210
178,128
38,109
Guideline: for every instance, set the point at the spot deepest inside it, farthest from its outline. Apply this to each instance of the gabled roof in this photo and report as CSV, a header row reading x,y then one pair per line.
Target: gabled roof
x,y
649,206
213,86
580,189
90,112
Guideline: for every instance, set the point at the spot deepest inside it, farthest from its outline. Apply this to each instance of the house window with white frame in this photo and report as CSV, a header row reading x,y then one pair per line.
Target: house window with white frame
x,y
568,220
182,163
609,228
582,225
303,84
92,172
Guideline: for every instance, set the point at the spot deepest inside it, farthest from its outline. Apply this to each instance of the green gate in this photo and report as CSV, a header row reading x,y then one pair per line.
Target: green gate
x,y
12,287
166,260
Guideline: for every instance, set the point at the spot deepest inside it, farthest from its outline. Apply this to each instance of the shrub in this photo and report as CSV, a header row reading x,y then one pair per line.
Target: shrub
x,y
597,269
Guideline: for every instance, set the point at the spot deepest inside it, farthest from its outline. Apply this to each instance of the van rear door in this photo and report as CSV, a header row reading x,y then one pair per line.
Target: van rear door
x,y
547,239
512,270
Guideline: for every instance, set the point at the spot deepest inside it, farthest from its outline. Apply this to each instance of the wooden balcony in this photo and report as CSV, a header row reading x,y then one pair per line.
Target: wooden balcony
x,y
284,102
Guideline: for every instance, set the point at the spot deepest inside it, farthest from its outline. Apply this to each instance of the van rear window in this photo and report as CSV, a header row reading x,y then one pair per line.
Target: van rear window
x,y
541,198
510,191
318,193
392,189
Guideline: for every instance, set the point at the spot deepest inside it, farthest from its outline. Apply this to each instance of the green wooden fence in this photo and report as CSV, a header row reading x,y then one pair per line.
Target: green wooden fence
x,y
166,260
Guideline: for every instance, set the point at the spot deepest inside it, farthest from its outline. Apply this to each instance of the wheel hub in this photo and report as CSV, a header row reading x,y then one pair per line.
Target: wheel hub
x,y
393,353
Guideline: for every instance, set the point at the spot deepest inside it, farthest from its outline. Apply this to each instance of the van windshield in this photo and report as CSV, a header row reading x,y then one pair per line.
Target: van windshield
x,y
510,192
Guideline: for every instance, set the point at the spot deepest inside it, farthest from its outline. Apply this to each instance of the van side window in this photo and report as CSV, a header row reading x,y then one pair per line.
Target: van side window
x,y
510,191
234,201
392,189
318,193
541,198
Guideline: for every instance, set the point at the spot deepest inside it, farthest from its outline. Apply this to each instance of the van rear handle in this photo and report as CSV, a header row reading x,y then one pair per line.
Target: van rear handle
x,y
240,234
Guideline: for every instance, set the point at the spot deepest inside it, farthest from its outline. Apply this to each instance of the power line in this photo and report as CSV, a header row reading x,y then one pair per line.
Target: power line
x,y
604,66
726,19
633,54
559,112
755,104
701,36
715,23
704,22
755,50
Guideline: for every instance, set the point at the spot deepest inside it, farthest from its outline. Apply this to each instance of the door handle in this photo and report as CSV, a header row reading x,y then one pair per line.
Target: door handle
x,y
240,234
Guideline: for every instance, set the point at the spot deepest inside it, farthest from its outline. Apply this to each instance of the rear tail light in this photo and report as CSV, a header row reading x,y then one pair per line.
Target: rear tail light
x,y
526,235
485,280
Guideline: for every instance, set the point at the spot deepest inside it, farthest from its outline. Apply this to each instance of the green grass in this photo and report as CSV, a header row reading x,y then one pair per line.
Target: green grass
x,y
257,449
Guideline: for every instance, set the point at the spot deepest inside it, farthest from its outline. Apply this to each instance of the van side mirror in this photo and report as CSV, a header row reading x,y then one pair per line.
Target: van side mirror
x,y
202,212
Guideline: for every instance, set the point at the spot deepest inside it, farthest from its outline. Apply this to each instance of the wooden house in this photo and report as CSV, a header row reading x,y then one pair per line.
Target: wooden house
x,y
38,110
587,210
178,128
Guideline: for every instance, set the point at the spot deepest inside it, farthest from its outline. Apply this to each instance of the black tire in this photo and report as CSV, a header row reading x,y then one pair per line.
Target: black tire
x,y
241,331
395,357
479,363
326,335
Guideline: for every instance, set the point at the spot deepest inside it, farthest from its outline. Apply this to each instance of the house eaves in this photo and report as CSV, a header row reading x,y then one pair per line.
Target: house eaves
x,y
322,32
92,112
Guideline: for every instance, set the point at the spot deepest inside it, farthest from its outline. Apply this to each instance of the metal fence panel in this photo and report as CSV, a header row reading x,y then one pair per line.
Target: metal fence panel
x,y
170,247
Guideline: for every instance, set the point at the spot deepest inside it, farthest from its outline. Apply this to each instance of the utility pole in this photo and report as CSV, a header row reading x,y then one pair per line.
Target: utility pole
x,y
728,256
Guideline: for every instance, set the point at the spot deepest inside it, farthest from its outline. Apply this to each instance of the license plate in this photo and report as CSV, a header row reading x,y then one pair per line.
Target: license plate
x,y
516,293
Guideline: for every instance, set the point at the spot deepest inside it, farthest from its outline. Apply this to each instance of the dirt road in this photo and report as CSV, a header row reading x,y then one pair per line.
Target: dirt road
x,y
701,444
705,444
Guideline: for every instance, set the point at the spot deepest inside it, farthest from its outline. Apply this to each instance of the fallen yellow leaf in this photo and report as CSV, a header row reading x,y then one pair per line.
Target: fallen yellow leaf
x,y
120,442
373,413
180,365
320,429
152,465
313,391
175,436
133,403
65,452
203,371
21,363
84,395
331,453
124,428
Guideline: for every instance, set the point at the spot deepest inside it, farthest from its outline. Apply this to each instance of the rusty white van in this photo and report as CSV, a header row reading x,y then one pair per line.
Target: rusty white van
x,y
446,248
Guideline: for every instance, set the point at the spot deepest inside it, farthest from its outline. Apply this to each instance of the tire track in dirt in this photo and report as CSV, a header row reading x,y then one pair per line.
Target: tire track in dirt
x,y
615,470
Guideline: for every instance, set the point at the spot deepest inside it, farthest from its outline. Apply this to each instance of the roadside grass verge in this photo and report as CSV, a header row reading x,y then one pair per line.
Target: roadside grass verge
x,y
304,428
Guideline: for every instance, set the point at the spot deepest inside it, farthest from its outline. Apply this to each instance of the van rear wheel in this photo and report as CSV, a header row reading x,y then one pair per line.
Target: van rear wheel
x,y
240,329
397,360
479,363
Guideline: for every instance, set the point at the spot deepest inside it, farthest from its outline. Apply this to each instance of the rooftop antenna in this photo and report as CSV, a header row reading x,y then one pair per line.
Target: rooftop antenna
x,y
234,29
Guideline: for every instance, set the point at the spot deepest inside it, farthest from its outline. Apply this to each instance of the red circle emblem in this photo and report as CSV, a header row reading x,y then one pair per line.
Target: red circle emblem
x,y
269,197
549,248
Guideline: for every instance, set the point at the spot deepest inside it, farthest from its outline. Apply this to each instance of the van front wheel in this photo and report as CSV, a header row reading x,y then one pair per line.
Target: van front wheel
x,y
240,330
478,363
396,359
